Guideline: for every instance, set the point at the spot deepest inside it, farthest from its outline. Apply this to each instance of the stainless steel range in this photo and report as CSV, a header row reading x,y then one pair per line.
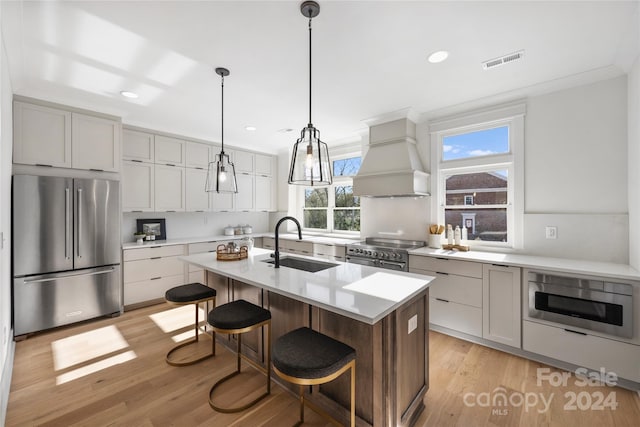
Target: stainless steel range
x,y
392,254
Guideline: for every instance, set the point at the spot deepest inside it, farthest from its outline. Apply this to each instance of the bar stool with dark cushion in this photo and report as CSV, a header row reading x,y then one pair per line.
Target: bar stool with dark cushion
x,y
193,293
239,317
307,357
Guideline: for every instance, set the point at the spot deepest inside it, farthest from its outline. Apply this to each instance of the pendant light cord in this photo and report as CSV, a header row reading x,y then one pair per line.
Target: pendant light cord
x,y
310,125
222,115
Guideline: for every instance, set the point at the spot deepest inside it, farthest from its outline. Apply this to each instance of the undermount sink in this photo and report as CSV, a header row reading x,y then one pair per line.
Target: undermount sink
x,y
302,264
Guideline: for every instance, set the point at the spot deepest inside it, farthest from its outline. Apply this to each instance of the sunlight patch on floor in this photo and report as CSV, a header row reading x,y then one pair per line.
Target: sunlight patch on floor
x,y
177,318
185,335
86,346
95,367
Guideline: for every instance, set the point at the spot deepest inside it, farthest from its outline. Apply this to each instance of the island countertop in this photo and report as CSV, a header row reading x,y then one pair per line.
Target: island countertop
x,y
363,293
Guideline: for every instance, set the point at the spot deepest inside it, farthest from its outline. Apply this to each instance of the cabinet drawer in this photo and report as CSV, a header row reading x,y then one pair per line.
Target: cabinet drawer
x,y
153,252
298,247
459,317
442,265
148,290
268,243
330,250
582,350
145,269
454,288
198,248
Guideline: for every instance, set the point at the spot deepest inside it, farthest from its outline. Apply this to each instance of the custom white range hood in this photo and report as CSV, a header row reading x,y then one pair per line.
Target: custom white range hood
x,y
392,166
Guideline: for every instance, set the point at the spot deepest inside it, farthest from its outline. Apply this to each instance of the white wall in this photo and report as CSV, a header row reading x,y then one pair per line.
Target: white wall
x,y
633,99
196,224
576,172
6,136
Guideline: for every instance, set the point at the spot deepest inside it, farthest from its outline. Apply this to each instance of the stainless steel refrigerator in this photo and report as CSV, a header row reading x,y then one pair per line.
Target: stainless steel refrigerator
x,y
66,251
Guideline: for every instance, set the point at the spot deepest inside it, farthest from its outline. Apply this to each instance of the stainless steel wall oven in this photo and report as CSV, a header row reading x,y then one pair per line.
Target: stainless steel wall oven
x,y
596,305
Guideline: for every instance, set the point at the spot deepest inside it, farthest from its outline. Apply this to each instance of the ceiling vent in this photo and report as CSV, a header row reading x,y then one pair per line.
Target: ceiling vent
x,y
506,59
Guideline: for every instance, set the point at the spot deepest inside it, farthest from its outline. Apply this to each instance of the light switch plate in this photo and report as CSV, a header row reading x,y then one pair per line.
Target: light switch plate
x,y
413,323
551,232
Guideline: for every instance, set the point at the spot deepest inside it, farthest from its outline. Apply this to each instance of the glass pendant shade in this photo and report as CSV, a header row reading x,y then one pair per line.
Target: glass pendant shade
x,y
221,175
310,163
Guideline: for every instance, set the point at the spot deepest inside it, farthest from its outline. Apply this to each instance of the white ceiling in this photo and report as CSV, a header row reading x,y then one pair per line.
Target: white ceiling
x,y
369,59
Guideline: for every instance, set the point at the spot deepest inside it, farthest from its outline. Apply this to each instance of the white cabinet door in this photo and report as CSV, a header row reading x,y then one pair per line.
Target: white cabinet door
x,y
243,160
42,135
221,202
263,194
501,306
196,198
137,186
169,188
244,197
197,155
169,151
95,143
264,165
137,145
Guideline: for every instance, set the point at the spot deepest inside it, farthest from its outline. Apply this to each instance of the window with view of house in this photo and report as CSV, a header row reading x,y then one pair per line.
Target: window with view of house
x,y
478,168
334,208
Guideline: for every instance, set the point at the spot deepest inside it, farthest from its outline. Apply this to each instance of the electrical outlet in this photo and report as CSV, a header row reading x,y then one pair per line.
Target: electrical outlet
x,y
413,323
551,232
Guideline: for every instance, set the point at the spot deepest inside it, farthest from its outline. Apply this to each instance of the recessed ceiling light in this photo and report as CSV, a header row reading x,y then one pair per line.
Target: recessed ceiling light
x,y
128,94
438,56
250,128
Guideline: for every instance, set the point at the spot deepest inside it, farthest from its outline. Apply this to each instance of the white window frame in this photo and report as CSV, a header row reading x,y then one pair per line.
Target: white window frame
x,y
336,153
510,115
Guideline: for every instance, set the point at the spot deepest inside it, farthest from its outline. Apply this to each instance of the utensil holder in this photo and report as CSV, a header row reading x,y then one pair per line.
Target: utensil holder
x,y
435,241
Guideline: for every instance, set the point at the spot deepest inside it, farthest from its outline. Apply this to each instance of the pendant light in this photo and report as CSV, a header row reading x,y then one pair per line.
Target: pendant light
x,y
310,163
221,174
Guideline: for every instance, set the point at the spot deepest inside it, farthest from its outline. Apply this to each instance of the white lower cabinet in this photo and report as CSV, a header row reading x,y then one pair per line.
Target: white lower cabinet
x,y
329,252
501,304
584,350
150,271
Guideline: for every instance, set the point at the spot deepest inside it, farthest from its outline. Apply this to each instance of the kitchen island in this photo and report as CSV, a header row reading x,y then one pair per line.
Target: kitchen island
x,y
383,315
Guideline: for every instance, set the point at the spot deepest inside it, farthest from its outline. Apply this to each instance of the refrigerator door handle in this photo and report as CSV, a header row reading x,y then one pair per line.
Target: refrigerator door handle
x,y
79,222
59,276
67,225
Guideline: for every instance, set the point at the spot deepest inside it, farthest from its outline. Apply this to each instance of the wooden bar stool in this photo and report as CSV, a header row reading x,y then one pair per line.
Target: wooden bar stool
x,y
193,293
239,317
306,357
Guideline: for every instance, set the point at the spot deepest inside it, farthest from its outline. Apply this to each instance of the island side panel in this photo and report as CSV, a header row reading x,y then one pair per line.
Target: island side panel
x,y
221,285
251,341
412,359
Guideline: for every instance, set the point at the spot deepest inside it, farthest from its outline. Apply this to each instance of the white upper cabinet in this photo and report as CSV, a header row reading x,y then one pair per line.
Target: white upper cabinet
x,y
169,188
245,196
243,160
42,135
169,151
197,155
264,165
137,146
222,202
95,143
196,198
138,182
263,193
51,136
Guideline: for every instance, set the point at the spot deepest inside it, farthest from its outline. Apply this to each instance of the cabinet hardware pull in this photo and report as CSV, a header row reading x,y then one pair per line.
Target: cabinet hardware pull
x,y
137,161
575,332
40,164
440,272
443,259
96,170
136,211
440,299
155,257
500,265
154,247
155,278
169,164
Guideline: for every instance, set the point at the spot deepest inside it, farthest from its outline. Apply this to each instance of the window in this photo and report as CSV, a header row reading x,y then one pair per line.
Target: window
x,y
334,208
478,164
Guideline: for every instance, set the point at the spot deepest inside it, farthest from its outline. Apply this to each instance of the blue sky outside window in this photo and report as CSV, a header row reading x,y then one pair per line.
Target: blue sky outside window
x,y
475,144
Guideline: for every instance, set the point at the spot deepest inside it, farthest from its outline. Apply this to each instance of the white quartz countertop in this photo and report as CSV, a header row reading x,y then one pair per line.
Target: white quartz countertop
x,y
187,240
363,293
608,269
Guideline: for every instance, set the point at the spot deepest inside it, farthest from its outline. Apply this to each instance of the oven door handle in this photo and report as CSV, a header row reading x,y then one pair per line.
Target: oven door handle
x,y
394,263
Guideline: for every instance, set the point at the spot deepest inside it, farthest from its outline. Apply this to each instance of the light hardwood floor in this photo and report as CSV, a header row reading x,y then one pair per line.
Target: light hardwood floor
x,y
111,372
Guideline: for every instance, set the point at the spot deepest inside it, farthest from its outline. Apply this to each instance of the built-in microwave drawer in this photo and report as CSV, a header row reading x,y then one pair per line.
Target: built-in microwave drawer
x,y
444,265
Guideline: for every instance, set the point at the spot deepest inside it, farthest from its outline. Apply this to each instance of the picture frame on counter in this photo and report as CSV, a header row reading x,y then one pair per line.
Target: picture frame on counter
x,y
155,226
